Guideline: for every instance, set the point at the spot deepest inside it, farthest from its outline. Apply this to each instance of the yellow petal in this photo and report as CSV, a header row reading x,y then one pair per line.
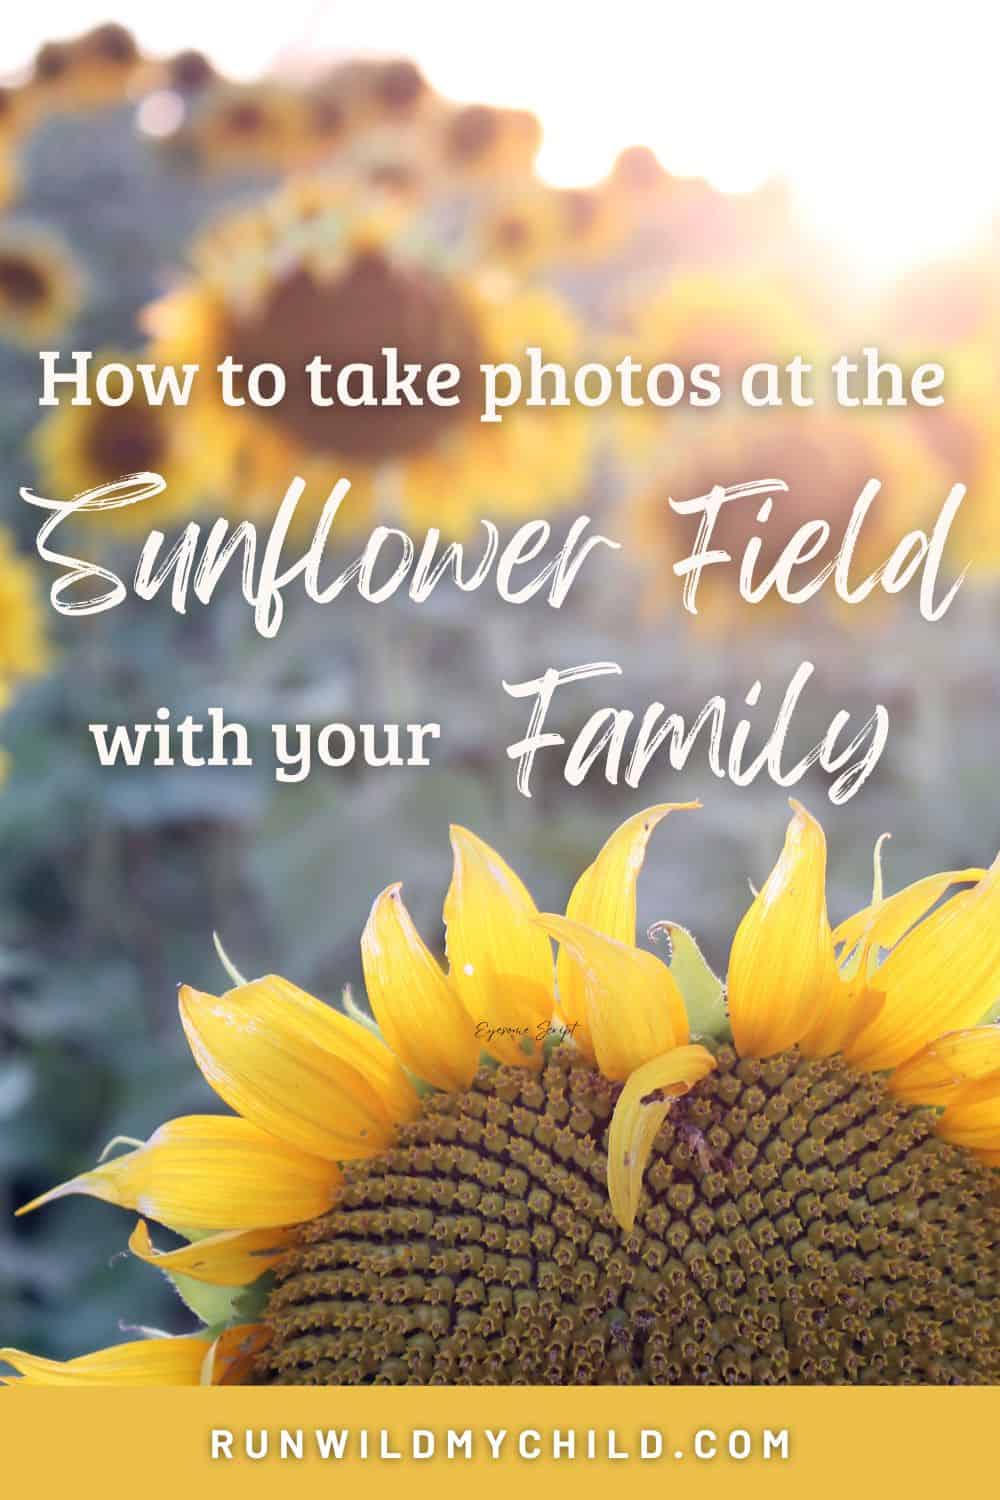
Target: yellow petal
x,y
882,924
781,966
641,1109
296,1068
235,1258
973,1120
635,1010
212,1172
988,1158
416,1006
232,1359
604,899
501,961
852,1004
146,1362
942,977
938,1072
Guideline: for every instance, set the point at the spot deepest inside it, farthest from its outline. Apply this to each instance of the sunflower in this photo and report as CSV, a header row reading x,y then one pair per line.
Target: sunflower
x,y
590,225
610,1171
24,650
825,457
322,270
726,317
962,434
527,226
41,287
17,112
477,141
10,180
247,127
380,92
638,175
189,72
91,71
86,447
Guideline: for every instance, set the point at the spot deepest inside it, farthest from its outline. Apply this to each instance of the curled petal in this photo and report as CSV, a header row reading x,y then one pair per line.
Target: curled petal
x,y
501,962
604,899
943,976
211,1171
781,967
937,1074
640,1111
232,1358
417,1008
635,1010
235,1258
297,1068
145,1362
887,920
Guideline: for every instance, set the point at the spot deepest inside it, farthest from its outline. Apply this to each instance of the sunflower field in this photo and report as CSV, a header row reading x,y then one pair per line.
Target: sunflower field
x,y
155,211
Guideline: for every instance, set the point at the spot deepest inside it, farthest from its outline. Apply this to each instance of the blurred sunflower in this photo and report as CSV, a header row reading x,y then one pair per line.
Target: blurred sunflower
x,y
246,127
728,317
824,457
789,1181
24,650
41,286
188,73
16,112
91,71
590,227
81,448
377,92
321,271
961,432
477,141
9,176
527,226
324,128
638,175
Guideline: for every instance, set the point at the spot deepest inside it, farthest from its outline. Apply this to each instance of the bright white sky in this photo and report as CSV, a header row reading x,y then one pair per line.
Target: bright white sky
x,y
882,113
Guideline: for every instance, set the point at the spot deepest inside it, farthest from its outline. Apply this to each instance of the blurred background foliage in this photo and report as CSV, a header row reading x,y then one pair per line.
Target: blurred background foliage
x,y
155,209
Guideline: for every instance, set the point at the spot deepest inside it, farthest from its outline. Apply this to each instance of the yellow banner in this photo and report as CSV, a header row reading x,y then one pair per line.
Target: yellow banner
x,y
444,1442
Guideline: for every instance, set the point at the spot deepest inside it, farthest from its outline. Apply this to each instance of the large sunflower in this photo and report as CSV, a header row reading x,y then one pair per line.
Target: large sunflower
x,y
323,271
787,1181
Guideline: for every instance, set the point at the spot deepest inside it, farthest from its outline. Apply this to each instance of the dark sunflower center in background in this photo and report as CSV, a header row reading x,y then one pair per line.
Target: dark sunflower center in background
x,y
372,305
580,210
800,1227
52,61
472,131
112,44
126,440
190,71
327,118
22,283
246,118
399,86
